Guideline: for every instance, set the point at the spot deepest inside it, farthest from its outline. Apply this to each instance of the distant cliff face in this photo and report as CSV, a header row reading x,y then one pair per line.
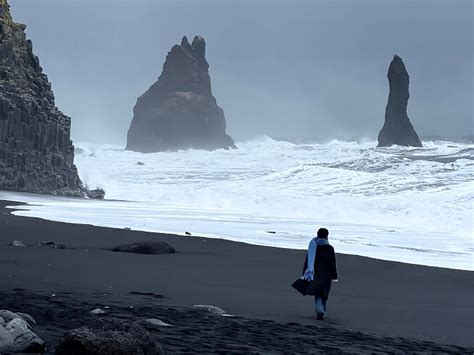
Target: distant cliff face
x,y
36,153
398,129
179,110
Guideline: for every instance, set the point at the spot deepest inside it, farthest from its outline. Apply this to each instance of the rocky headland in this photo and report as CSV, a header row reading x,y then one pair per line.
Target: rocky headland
x,y
36,151
179,110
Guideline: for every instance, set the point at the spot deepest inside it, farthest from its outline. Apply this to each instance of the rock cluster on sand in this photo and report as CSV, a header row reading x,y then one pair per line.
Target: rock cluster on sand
x,y
36,152
109,336
149,247
52,244
16,335
398,129
179,110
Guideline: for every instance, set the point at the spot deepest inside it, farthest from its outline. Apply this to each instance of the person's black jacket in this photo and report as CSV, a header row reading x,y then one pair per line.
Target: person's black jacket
x,y
325,269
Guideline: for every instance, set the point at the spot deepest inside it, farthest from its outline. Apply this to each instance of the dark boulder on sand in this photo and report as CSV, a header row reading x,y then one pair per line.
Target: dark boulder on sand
x,y
398,129
36,152
179,110
109,336
149,247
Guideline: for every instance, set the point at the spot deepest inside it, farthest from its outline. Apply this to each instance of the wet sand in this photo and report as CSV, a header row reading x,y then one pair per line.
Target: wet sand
x,y
373,300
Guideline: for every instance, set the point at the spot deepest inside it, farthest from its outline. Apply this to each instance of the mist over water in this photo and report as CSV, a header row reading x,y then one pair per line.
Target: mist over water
x,y
286,69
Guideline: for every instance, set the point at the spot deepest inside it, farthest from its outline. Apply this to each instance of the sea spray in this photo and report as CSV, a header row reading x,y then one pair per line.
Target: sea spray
x,y
407,204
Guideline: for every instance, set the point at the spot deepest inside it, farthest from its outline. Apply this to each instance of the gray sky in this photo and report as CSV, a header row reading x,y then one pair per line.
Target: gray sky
x,y
314,69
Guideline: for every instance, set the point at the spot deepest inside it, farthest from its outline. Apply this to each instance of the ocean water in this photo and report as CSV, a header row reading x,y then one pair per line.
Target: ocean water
x,y
412,205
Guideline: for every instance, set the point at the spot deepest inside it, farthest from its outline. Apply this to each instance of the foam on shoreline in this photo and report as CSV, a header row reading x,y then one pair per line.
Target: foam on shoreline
x,y
381,242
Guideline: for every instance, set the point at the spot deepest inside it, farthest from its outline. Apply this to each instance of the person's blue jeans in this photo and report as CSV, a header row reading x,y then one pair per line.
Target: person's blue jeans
x,y
320,305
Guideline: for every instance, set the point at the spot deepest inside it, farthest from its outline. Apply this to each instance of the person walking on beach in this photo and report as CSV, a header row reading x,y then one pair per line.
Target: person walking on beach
x,y
320,266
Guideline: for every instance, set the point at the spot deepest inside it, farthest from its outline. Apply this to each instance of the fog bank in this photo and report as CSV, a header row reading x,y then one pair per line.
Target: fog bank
x,y
312,69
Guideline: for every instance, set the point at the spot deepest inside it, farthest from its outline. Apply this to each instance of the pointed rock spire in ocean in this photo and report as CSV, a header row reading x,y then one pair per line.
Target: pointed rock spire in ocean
x,y
398,129
179,110
36,153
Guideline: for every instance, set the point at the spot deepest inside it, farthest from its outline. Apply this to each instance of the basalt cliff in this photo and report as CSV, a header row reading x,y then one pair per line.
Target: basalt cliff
x,y
36,152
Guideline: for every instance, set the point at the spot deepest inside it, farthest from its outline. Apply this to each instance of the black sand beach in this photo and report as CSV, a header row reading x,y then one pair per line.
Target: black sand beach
x,y
377,305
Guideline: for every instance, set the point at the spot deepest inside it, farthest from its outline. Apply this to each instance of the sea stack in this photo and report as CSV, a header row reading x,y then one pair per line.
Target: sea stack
x,y
398,129
36,153
179,110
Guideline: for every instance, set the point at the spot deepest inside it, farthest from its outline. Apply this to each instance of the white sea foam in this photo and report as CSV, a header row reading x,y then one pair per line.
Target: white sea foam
x,y
411,205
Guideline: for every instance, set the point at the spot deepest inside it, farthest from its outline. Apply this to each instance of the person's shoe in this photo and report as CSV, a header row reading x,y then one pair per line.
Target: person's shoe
x,y
320,316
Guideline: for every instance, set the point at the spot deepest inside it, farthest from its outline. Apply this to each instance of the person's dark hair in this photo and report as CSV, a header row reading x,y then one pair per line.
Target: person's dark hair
x,y
323,233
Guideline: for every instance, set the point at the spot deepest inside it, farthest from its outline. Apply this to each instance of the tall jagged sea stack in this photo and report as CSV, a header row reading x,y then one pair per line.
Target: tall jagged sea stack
x,y
36,153
397,129
179,110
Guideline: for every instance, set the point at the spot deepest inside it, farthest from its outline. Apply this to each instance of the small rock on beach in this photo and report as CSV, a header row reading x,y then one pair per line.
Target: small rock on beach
x,y
17,243
154,323
52,244
211,309
97,312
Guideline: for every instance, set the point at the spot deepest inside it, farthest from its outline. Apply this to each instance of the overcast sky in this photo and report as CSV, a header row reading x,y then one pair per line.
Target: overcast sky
x,y
313,69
